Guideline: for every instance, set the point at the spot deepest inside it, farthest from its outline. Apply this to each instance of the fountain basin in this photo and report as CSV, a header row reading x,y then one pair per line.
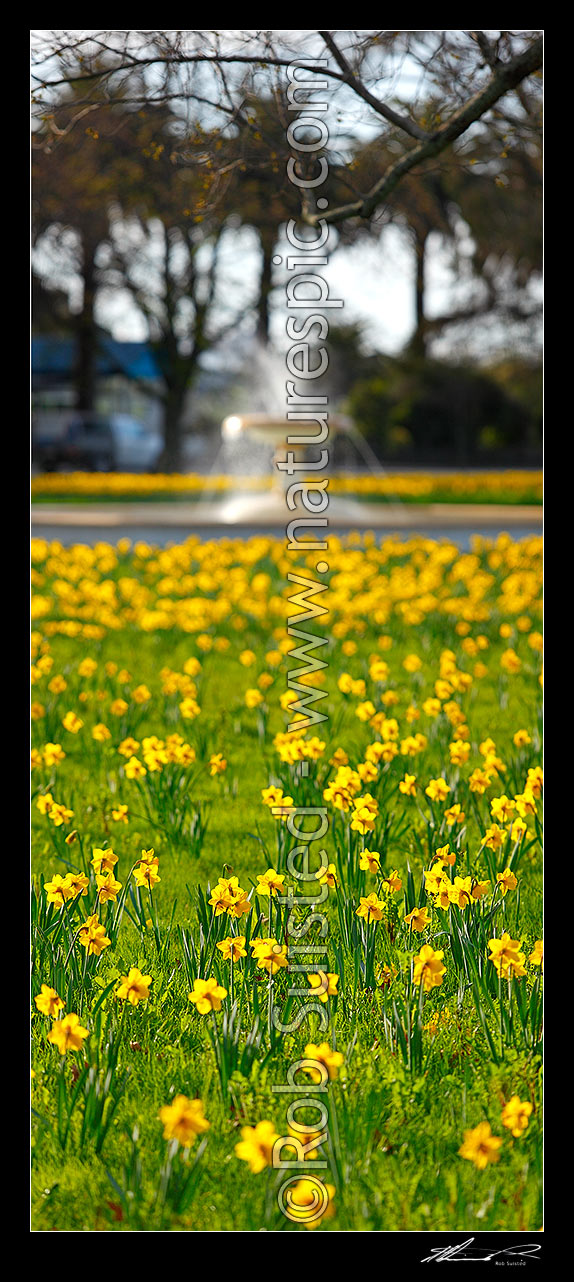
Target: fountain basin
x,y
285,499
268,429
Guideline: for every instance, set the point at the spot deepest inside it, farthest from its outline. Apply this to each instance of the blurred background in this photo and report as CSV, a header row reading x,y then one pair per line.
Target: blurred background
x,y
160,200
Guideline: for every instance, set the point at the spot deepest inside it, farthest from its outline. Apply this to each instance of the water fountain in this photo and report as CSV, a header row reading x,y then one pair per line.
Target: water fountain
x,y
255,441
273,432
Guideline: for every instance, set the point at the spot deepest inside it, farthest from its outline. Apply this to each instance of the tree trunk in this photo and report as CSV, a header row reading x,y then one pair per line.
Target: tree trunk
x,y
267,247
418,344
171,458
86,333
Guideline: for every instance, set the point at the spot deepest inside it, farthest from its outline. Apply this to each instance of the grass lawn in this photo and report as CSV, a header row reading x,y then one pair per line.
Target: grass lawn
x,y
160,707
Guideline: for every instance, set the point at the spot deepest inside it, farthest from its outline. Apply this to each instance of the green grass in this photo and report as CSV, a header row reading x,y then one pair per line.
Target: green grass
x,y
438,495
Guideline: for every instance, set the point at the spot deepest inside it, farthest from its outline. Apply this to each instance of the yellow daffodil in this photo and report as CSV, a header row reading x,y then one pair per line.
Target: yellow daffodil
x,y
480,1146
48,1001
183,1120
146,876
536,956
72,723
428,968
108,887
418,919
323,984
437,789
370,861
67,1034
325,1055
506,956
120,814
371,908
269,955
92,936
516,1115
229,897
506,880
408,786
58,890
270,882
134,987
207,995
256,1145
103,861
310,1202
328,877
233,947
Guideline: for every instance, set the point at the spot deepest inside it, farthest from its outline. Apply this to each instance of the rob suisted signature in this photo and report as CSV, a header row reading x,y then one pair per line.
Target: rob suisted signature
x,y
466,1251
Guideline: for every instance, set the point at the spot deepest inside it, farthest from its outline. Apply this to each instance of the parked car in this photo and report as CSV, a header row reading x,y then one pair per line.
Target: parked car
x,y
103,443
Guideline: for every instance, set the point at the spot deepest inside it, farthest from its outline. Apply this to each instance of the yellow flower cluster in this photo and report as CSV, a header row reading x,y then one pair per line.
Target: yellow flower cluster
x,y
462,486
196,587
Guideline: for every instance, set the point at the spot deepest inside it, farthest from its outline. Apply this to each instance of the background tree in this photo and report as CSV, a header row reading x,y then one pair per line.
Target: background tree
x,y
421,206
456,159
492,195
166,239
252,159
258,153
131,216
71,193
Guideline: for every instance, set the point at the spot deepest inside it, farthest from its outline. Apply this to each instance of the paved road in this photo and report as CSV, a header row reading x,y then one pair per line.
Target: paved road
x,y
162,523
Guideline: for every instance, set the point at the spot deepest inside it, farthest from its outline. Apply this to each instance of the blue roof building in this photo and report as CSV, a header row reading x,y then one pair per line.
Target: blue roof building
x,y
54,360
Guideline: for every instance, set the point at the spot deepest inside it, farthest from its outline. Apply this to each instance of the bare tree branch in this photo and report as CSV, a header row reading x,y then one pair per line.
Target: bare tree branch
x,y
402,122
503,80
